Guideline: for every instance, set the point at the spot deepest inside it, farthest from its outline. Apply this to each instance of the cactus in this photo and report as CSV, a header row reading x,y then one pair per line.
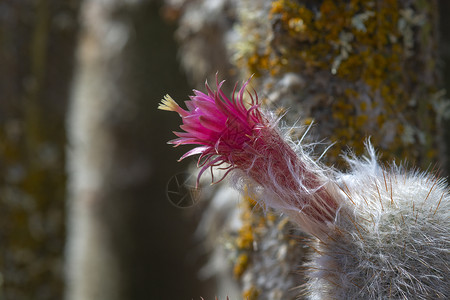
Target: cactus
x,y
377,232
389,240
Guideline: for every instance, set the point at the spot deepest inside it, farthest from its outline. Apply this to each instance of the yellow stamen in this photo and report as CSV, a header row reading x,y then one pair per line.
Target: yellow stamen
x,y
168,104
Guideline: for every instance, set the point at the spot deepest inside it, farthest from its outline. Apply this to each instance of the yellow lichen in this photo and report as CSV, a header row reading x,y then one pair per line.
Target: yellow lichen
x,y
360,42
251,294
240,265
245,237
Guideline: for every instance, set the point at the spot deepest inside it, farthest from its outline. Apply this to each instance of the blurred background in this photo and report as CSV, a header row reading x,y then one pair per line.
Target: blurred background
x,y
148,238
84,164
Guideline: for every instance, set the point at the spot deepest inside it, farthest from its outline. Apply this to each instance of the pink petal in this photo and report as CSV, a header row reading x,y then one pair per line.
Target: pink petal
x,y
212,124
195,151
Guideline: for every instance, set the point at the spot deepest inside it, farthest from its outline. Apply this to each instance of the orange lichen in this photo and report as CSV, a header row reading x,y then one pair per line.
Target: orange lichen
x,y
361,43
245,237
251,294
240,265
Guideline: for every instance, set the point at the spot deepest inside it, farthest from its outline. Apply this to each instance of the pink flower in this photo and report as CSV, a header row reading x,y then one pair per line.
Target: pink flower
x,y
244,138
222,128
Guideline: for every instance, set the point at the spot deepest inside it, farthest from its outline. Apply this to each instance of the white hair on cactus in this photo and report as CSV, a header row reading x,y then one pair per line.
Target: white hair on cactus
x,y
238,136
391,240
381,232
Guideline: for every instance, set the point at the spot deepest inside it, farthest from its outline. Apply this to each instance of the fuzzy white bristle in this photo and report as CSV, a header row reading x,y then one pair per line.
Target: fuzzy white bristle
x,y
390,239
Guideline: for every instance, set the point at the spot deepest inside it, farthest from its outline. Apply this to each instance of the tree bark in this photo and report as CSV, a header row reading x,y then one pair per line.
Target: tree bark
x,y
37,39
358,69
125,239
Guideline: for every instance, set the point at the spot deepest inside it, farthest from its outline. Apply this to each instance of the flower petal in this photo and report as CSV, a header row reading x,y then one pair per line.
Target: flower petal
x,y
195,151
211,124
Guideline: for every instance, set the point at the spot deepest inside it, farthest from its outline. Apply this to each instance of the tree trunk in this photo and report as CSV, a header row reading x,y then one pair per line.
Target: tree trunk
x,y
125,239
358,69
37,39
